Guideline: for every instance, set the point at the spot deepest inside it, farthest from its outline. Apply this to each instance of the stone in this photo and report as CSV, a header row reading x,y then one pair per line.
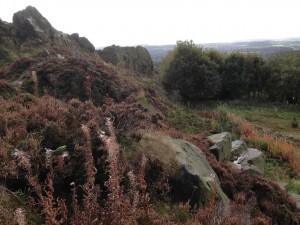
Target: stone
x,y
30,23
192,178
237,147
283,186
45,53
136,58
83,42
221,147
251,161
296,198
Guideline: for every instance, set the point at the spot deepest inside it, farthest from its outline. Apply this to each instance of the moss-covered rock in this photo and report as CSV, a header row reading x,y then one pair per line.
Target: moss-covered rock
x,y
136,58
191,176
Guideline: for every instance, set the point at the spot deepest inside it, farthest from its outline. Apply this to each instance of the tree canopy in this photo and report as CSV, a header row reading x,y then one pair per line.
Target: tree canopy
x,y
197,73
192,72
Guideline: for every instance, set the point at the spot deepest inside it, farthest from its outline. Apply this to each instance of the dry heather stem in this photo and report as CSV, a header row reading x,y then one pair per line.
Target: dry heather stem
x,y
20,217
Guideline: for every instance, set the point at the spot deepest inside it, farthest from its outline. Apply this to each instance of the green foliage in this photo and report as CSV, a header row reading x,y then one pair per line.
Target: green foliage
x,y
284,83
243,75
192,72
7,90
277,170
275,117
4,57
294,186
188,120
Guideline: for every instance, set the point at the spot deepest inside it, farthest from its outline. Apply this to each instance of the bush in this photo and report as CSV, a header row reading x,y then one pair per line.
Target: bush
x,y
192,72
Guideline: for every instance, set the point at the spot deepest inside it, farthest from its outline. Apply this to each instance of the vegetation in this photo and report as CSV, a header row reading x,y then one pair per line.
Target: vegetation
x,y
274,118
192,72
197,73
74,144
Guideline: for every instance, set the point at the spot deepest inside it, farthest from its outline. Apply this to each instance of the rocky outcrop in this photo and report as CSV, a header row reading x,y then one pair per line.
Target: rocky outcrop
x,y
221,147
237,147
191,176
83,42
31,30
30,23
251,161
136,58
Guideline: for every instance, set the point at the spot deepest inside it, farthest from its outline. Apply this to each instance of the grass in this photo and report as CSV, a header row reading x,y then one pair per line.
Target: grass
x,y
188,120
278,119
294,186
279,171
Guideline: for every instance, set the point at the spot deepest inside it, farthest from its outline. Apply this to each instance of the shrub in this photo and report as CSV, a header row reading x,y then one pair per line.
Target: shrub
x,y
192,72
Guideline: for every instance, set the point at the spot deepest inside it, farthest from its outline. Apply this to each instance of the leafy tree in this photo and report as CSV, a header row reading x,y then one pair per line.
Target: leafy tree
x,y
192,72
244,74
284,82
234,78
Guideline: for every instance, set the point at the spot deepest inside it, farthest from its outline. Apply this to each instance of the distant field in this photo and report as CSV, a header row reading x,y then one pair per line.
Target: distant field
x,y
276,118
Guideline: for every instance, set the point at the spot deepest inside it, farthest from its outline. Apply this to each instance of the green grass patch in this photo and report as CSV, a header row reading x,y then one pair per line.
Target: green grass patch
x,y
276,118
294,186
277,170
188,120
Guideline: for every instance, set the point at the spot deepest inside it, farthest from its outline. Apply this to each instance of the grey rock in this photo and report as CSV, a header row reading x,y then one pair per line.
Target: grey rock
x,y
30,23
251,161
221,147
296,198
283,186
45,53
192,178
136,58
237,148
83,42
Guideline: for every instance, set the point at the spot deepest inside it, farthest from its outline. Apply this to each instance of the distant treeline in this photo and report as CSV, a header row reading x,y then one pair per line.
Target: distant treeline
x,y
193,73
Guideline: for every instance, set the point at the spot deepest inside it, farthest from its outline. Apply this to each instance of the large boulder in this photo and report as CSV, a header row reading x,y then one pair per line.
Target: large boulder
x,y
221,147
32,27
191,176
237,148
251,161
136,58
83,42
30,23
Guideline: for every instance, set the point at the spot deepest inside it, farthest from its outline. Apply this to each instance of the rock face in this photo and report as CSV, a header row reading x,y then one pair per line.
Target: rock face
x,y
30,23
192,177
221,147
136,58
30,28
237,148
83,42
251,161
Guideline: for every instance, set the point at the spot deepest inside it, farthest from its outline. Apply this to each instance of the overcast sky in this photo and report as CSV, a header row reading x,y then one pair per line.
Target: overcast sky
x,y
133,22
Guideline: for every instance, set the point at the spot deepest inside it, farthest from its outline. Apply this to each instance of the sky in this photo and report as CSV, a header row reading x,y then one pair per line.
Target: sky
x,y
159,22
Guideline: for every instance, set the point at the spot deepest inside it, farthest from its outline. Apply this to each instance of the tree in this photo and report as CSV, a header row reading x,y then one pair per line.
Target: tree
x,y
284,83
234,78
192,72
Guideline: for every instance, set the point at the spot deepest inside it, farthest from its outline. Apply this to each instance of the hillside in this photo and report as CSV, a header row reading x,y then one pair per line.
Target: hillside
x,y
85,140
